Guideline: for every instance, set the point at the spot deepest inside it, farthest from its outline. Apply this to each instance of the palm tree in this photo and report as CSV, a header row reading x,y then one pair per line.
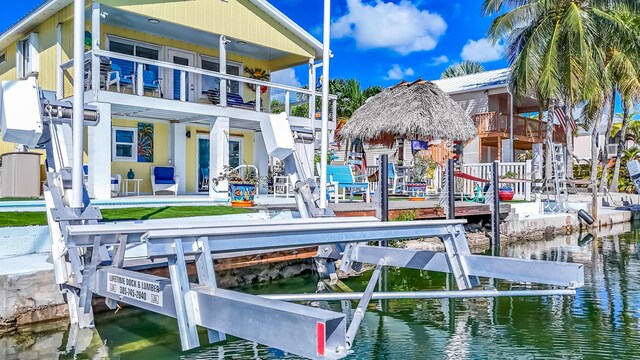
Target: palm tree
x,y
559,50
621,134
461,69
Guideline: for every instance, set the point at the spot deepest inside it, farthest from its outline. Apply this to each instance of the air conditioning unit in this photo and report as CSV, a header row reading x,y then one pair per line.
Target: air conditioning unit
x,y
612,150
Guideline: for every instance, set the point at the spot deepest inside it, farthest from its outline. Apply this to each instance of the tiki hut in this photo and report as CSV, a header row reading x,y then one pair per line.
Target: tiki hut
x,y
417,110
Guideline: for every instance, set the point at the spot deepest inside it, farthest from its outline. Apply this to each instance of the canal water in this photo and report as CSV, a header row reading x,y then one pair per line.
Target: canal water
x,y
601,321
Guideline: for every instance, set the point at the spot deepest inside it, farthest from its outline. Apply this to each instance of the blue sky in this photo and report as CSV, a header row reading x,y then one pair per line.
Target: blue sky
x,y
382,42
378,42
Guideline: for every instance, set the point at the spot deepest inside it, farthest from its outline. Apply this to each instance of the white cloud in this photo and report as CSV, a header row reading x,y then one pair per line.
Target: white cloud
x,y
401,27
397,73
285,77
482,50
439,60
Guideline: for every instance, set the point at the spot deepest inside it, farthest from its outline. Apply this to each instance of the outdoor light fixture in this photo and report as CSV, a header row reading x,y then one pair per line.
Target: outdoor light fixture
x,y
154,21
240,42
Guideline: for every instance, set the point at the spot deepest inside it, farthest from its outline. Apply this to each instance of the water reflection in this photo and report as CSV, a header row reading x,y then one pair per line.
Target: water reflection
x,y
601,321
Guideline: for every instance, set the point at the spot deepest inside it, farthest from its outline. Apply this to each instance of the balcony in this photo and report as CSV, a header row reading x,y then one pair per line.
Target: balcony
x,y
495,126
138,87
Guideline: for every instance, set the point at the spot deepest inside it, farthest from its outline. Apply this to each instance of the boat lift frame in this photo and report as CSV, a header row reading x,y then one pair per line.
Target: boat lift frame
x,y
89,259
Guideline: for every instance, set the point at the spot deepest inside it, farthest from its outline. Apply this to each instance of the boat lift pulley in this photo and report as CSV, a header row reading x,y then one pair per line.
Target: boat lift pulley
x,y
89,257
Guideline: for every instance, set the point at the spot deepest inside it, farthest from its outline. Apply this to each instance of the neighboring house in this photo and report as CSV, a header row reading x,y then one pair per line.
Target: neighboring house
x,y
486,97
153,68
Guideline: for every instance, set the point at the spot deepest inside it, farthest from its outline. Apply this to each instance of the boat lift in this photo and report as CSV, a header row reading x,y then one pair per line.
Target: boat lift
x,y
88,256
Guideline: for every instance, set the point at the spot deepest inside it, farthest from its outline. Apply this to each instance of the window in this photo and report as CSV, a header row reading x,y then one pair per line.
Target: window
x,y
235,152
211,83
3,57
125,144
27,55
129,47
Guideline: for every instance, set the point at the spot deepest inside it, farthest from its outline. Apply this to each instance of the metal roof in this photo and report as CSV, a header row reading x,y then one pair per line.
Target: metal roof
x,y
480,81
50,7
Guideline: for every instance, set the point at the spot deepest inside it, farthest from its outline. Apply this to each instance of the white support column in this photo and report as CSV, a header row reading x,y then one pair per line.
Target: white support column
x,y
59,74
223,69
183,85
287,104
99,154
95,45
140,79
312,97
325,103
179,154
78,103
218,155
261,160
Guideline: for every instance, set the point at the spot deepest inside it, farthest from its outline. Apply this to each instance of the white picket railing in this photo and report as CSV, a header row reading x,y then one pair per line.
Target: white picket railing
x,y
522,171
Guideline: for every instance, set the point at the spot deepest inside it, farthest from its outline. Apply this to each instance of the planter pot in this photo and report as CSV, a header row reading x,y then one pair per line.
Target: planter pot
x,y
505,194
242,195
417,191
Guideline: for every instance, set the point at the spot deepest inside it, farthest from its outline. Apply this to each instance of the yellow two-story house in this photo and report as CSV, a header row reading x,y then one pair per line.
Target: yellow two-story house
x,y
178,83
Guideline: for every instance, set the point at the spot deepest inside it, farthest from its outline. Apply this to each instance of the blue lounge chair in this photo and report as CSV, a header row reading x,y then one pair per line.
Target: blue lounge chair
x,y
151,82
164,178
343,178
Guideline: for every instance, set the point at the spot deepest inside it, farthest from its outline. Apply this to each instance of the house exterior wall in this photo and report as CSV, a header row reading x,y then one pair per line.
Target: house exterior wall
x,y
473,102
239,19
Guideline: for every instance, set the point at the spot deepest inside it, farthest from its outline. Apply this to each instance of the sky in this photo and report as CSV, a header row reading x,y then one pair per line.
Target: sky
x,y
382,42
378,42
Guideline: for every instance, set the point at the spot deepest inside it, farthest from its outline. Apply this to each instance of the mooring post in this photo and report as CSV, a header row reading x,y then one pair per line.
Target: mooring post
x,y
495,215
383,181
451,187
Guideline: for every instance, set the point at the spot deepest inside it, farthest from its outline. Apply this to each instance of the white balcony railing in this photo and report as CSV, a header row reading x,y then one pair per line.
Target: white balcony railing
x,y
139,86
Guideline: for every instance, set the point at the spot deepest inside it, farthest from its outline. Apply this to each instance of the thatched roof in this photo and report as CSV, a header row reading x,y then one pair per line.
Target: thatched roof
x,y
416,110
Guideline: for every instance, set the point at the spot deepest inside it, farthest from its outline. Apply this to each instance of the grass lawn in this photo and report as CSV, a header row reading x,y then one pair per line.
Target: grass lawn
x,y
136,213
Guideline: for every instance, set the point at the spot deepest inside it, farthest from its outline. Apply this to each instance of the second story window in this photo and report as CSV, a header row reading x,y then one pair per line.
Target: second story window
x,y
132,48
28,55
213,83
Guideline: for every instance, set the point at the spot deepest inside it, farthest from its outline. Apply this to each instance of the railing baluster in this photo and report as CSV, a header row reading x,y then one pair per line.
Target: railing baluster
x,y
286,103
183,85
258,91
139,79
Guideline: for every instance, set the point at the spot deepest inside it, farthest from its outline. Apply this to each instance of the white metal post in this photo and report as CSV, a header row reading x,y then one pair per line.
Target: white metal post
x,y
312,97
95,45
59,75
223,69
140,79
78,102
287,105
325,104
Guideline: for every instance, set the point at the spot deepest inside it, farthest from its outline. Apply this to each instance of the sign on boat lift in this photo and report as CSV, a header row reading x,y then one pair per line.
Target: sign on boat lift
x,y
88,256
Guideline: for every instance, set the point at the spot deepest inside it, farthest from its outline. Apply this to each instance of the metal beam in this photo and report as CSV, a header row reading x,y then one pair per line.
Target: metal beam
x,y
445,294
294,328
536,271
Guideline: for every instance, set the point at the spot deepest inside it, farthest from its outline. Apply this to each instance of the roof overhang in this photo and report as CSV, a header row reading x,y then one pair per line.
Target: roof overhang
x,y
50,7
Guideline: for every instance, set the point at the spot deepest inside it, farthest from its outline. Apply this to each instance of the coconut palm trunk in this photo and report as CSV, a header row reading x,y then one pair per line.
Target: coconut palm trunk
x,y
594,167
548,163
622,136
569,134
605,150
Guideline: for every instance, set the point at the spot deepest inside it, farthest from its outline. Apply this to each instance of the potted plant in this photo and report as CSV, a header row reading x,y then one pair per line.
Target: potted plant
x,y
242,185
505,193
423,169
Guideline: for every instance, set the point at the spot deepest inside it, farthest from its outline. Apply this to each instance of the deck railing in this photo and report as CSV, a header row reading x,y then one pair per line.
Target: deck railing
x,y
528,129
184,79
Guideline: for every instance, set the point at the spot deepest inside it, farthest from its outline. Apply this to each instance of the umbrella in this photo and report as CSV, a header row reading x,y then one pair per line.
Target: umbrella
x,y
418,110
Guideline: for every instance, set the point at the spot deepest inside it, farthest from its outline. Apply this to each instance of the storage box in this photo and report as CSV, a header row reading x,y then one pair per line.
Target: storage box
x,y
20,112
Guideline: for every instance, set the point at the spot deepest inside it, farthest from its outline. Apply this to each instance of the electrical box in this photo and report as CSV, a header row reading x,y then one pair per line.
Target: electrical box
x,y
277,135
20,111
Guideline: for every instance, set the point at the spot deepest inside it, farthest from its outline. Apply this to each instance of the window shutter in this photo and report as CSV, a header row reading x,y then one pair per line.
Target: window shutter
x,y
34,46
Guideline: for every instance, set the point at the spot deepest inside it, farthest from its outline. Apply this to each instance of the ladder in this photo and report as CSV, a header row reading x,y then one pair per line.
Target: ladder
x,y
560,178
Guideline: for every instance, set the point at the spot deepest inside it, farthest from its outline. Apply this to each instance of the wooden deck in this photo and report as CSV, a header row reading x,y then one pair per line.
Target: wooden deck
x,y
425,210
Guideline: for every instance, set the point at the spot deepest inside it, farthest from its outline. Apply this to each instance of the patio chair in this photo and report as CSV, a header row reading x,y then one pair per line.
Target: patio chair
x,y
151,82
393,178
164,178
116,180
117,77
343,177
